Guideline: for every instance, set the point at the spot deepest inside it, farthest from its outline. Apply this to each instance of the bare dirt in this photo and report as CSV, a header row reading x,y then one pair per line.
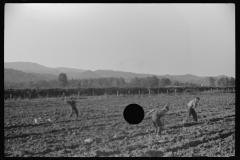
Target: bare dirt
x,y
101,119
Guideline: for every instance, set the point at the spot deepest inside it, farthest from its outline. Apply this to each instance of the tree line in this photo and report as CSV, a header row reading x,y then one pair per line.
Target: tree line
x,y
148,82
222,82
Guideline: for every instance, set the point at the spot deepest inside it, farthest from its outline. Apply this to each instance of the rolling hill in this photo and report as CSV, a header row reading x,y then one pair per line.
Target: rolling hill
x,y
88,74
36,68
16,76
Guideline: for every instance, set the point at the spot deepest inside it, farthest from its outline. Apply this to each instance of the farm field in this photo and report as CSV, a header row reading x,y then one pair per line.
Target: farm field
x,y
101,119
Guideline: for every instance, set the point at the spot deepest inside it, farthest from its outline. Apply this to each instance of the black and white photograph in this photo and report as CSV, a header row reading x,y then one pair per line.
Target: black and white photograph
x,y
119,79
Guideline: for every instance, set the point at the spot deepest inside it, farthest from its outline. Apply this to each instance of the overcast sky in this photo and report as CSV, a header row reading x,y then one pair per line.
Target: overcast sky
x,y
155,38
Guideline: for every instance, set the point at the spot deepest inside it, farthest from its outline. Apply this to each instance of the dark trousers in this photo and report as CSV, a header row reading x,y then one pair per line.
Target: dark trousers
x,y
75,110
192,112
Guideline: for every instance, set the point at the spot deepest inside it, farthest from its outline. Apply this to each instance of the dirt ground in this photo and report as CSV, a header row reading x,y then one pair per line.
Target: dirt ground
x,y
101,119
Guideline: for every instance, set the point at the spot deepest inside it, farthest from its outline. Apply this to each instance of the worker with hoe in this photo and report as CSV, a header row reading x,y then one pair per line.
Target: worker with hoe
x,y
72,103
191,110
158,118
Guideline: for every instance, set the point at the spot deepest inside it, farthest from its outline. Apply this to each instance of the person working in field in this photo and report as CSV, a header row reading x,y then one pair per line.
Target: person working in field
x,y
191,109
158,118
72,103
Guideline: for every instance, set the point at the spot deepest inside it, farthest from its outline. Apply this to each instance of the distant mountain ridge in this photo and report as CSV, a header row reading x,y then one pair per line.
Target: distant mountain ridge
x,y
16,76
30,67
39,72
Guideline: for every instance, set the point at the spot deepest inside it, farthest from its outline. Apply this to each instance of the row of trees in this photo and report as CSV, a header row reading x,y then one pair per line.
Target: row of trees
x,y
222,82
148,82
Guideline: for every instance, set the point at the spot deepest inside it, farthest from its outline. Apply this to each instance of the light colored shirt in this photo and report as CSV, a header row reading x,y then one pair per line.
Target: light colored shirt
x,y
192,104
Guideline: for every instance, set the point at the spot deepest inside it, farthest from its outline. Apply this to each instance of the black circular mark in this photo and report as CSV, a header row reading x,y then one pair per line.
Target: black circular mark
x,y
133,113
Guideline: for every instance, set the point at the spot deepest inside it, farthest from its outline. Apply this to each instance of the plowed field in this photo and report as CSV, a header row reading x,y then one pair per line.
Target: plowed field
x,y
101,119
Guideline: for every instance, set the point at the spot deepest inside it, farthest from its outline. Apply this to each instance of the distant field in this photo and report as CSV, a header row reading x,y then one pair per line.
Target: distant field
x,y
101,119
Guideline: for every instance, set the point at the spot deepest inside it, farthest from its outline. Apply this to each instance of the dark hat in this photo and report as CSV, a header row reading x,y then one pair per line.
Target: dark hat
x,y
197,98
